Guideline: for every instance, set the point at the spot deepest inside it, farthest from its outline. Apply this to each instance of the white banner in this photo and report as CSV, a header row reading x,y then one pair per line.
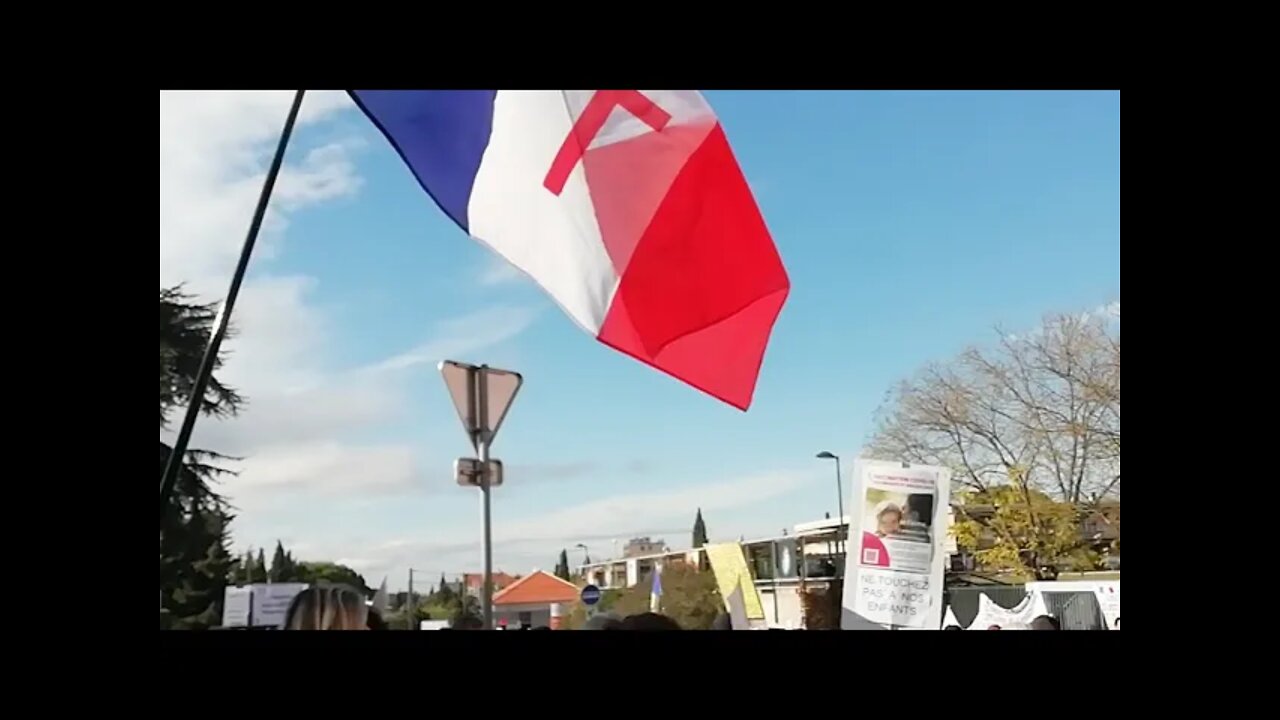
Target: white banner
x,y
1018,617
236,603
271,602
897,545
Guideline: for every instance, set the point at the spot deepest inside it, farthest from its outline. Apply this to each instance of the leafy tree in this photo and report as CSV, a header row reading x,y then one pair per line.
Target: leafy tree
x,y
444,595
333,573
467,608
689,596
1031,432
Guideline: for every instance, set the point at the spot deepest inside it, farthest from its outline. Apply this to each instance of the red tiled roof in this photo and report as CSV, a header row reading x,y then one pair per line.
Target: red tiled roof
x,y
537,588
500,580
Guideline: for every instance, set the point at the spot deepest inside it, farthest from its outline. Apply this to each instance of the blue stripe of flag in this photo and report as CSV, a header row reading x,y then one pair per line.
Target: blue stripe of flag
x,y
440,134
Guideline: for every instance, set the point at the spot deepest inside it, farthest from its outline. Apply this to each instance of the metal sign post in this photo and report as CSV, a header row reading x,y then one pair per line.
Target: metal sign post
x,y
482,396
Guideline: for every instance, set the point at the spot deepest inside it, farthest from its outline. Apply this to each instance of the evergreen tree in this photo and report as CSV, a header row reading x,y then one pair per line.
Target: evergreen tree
x,y
239,571
700,538
249,564
562,566
259,568
699,530
194,562
278,565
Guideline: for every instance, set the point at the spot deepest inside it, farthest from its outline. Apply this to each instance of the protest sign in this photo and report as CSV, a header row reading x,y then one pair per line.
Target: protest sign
x,y
894,572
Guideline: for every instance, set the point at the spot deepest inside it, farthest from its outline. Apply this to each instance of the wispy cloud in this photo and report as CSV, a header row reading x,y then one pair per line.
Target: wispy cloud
x,y
461,336
497,271
522,543
307,419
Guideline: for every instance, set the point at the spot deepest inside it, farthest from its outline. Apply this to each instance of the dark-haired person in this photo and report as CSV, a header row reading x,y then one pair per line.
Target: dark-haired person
x,y
1046,622
649,621
953,627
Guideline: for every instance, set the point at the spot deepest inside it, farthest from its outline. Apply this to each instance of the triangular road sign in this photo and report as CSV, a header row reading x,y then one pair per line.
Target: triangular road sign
x,y
458,379
468,384
500,392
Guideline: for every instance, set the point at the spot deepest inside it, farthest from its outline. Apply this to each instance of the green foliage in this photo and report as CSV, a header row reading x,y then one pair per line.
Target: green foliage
x,y
333,573
699,531
689,597
1022,532
577,616
185,329
259,574
562,566
279,565
194,562
194,565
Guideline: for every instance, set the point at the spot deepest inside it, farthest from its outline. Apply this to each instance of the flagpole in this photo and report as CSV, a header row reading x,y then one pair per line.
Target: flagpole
x,y
171,468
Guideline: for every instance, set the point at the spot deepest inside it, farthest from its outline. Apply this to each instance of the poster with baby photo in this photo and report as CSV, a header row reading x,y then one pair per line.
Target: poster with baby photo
x,y
897,522
895,575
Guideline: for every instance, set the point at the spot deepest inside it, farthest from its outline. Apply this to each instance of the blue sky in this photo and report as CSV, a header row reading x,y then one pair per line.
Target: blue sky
x,y
911,223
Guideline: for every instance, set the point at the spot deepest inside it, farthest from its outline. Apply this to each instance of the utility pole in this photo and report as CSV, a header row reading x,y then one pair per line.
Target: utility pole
x,y
412,615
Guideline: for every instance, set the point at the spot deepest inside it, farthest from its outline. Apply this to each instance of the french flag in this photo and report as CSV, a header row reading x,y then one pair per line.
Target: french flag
x,y
626,206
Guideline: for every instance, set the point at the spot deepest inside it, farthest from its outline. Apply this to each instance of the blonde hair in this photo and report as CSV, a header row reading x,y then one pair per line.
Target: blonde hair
x,y
887,507
328,607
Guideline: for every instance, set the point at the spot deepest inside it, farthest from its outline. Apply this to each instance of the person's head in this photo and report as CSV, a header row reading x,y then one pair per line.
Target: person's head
x,y
888,518
1117,623
994,627
375,621
953,627
603,621
1046,622
328,607
919,508
649,621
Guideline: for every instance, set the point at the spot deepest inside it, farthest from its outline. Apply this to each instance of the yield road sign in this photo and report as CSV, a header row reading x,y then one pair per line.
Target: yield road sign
x,y
482,396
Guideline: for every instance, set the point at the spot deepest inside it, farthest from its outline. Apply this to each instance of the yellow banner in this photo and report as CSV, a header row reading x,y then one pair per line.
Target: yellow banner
x,y
730,567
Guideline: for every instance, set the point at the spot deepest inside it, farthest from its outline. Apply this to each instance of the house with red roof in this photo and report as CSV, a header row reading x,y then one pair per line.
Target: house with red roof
x,y
527,602
473,582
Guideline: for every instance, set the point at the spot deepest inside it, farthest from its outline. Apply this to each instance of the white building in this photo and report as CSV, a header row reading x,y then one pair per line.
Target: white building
x,y
784,568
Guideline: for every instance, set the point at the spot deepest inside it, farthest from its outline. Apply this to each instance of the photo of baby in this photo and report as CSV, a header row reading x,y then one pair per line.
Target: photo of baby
x,y
897,530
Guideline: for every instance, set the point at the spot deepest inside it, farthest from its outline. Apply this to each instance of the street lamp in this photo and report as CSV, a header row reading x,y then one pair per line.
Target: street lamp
x,y
586,556
824,455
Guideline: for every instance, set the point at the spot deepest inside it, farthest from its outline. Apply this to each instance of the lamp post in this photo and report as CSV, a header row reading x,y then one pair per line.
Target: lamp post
x,y
824,455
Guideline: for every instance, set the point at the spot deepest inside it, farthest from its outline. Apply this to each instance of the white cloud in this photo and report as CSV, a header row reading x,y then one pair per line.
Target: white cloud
x,y
523,543
303,418
214,151
461,336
